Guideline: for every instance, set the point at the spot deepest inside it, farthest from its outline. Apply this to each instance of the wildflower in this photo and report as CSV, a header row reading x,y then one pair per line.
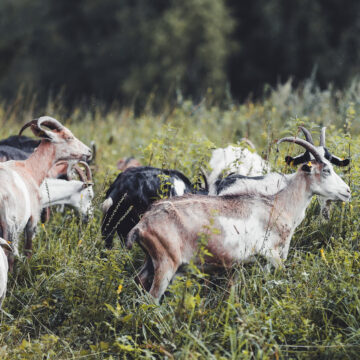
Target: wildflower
x,y
118,291
323,256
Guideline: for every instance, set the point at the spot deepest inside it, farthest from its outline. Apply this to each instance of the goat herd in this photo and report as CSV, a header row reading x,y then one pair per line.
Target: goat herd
x,y
254,211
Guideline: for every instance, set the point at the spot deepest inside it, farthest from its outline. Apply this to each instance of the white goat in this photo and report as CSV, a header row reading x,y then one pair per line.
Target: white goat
x,y
4,267
20,199
248,224
238,160
78,194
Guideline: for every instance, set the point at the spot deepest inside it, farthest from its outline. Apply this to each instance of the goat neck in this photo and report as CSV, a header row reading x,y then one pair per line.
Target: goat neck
x,y
293,200
40,161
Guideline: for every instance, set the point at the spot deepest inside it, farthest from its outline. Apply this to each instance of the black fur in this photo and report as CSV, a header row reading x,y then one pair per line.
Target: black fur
x,y
335,160
12,153
222,184
23,143
137,188
305,157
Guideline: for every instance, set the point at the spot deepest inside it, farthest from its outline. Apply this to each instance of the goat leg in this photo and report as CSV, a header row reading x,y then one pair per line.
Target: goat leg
x,y
29,234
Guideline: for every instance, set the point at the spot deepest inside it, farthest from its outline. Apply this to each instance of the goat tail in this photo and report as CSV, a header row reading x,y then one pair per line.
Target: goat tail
x,y
106,205
133,235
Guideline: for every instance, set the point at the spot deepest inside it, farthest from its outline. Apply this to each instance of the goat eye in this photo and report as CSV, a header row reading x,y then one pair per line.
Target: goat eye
x,y
326,171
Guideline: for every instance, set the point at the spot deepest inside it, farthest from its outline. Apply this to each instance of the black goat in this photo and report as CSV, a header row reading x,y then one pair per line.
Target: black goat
x,y
17,148
11,153
131,194
23,143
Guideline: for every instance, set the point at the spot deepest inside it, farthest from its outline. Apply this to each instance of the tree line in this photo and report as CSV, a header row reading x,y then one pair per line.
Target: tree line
x,y
125,50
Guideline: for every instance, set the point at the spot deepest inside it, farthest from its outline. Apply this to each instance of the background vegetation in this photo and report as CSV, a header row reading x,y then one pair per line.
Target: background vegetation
x,y
74,300
122,50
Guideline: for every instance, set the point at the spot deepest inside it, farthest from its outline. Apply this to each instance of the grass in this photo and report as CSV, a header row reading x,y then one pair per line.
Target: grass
x,y
75,300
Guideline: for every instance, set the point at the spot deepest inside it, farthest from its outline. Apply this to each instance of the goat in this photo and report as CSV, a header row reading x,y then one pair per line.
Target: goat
x,y
235,159
78,194
18,147
11,153
20,199
23,143
271,183
248,224
127,162
133,191
4,268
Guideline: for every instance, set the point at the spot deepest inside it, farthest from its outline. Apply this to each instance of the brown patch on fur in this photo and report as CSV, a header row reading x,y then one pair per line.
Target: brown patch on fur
x,y
126,163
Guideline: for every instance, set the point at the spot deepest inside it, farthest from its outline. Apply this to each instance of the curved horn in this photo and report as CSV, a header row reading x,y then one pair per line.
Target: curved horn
x,y
322,136
249,142
203,174
311,148
28,124
88,171
69,173
49,122
93,154
81,173
307,135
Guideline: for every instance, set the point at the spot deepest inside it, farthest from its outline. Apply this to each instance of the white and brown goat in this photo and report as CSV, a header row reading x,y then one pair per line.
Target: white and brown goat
x,y
248,224
272,183
20,198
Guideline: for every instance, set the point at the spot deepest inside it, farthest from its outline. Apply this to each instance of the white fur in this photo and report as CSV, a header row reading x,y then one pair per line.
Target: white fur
x,y
235,230
16,207
63,192
25,199
269,185
4,267
106,205
235,159
179,187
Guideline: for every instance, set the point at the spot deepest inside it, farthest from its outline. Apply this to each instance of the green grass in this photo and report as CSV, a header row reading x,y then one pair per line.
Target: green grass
x,y
74,300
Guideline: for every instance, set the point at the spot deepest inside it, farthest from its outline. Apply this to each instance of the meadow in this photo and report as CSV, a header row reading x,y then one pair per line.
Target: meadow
x,y
75,300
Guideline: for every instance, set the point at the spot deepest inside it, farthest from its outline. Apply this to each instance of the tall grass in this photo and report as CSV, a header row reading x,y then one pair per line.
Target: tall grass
x,y
75,300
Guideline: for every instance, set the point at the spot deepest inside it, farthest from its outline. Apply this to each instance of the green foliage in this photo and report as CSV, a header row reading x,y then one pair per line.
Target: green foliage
x,y
75,300
108,48
158,51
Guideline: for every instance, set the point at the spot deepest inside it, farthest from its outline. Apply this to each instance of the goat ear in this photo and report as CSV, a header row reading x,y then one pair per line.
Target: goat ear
x,y
40,133
300,159
339,162
289,160
306,168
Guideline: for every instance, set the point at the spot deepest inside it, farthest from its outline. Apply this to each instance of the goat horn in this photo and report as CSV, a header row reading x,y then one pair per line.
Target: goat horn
x,y
249,142
69,174
88,171
28,124
310,147
93,153
81,173
49,122
203,174
322,136
307,135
